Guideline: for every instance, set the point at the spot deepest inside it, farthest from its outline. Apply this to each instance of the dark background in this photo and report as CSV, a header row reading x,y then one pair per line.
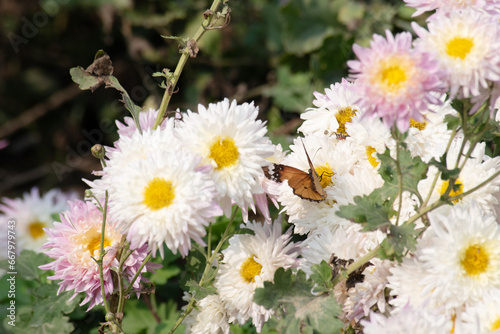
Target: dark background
x,y
273,52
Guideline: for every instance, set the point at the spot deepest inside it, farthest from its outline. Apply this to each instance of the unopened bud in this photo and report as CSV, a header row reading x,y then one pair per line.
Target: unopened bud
x,y
98,151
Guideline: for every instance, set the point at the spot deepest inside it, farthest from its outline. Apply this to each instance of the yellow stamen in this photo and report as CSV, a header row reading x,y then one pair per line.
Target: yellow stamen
x,y
224,152
325,173
459,47
158,193
249,269
475,260
417,125
371,159
36,229
344,116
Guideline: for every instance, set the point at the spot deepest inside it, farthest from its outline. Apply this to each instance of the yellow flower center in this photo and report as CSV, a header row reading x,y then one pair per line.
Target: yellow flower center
x,y
224,152
325,174
158,193
344,116
460,190
371,159
94,244
36,229
495,325
417,125
459,47
249,269
475,260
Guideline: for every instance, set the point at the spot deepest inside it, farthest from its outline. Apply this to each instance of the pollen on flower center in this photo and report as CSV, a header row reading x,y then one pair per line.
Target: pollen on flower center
x,y
36,229
249,269
325,174
224,152
495,325
459,47
344,116
158,193
417,125
475,260
94,243
391,76
371,159
460,189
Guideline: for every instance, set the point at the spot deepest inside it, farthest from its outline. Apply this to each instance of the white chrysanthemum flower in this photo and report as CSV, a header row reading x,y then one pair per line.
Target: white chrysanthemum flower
x,y
410,320
484,314
249,260
229,137
370,292
345,242
131,147
334,109
370,136
448,6
429,139
31,214
208,317
478,168
165,198
466,45
458,259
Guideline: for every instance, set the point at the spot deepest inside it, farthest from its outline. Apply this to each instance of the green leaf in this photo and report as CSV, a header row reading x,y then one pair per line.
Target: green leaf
x,y
398,242
198,291
28,262
374,209
412,170
322,276
293,91
291,296
49,305
84,80
139,319
446,173
306,24
60,324
99,73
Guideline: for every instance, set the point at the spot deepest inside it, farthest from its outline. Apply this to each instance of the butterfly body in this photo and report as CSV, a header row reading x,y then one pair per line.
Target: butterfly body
x,y
306,185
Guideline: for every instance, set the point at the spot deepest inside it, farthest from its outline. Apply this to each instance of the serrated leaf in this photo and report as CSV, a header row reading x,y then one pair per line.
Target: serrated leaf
x,y
398,242
446,173
49,305
198,291
374,209
60,325
28,262
322,276
413,169
291,296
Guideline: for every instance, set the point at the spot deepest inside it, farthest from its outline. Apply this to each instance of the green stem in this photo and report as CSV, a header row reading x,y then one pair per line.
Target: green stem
x,y
400,179
180,65
127,291
482,184
208,265
101,253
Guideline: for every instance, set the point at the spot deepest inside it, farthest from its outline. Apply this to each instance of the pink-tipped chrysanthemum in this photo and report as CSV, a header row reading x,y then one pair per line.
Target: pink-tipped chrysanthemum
x,y
394,81
465,44
75,240
449,6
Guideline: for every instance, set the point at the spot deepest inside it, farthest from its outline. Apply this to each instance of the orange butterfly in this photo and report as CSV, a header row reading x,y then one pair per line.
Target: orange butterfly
x,y
305,185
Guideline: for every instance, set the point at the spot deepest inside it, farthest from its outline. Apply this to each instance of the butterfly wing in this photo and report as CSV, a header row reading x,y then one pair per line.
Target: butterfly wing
x,y
302,183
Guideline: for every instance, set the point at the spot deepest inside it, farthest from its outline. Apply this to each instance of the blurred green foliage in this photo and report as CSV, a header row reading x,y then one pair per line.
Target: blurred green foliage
x,y
274,52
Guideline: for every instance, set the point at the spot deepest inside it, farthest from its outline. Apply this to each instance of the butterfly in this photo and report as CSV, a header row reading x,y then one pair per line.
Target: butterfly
x,y
305,185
